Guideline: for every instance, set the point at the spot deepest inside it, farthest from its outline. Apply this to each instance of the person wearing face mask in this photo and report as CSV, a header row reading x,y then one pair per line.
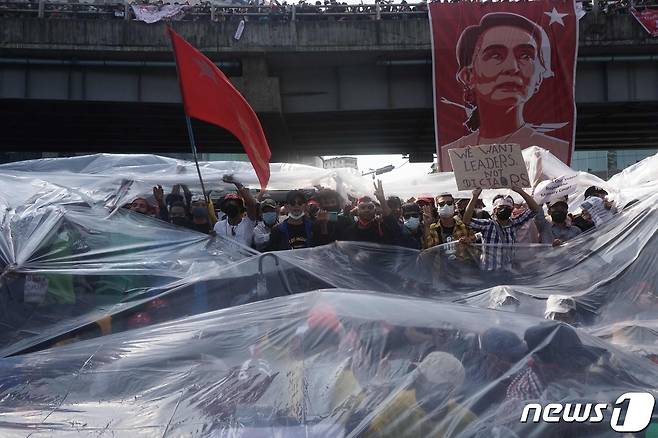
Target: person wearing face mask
x,y
412,230
526,233
368,228
236,226
296,231
449,227
557,231
501,230
330,221
264,228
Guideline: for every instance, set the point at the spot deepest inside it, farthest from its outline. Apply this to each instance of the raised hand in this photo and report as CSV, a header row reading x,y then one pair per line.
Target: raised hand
x,y
379,191
158,194
322,216
477,192
428,216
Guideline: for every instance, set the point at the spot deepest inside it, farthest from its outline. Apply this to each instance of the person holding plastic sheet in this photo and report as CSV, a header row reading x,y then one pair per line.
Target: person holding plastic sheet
x,y
368,227
270,218
501,230
236,225
558,230
329,222
296,231
412,226
426,405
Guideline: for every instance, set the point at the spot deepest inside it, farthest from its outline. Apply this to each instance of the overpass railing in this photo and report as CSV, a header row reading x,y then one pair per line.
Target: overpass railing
x,y
103,9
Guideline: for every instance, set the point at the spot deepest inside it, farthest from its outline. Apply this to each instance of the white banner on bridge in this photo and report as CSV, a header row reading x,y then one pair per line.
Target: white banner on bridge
x,y
153,14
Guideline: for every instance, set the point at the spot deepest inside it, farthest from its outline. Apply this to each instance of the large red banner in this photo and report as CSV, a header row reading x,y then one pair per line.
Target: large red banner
x,y
648,18
504,72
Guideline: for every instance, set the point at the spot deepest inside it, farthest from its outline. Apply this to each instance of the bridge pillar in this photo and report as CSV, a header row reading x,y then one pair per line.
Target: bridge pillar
x,y
261,91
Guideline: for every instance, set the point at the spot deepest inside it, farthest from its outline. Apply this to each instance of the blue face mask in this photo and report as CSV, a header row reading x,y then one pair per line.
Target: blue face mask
x,y
270,217
412,223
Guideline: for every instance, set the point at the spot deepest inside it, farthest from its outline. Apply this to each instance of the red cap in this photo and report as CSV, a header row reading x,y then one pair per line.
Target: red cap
x,y
323,316
232,196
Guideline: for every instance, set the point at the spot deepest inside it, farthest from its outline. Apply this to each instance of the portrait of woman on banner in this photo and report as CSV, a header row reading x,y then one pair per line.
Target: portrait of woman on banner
x,y
502,63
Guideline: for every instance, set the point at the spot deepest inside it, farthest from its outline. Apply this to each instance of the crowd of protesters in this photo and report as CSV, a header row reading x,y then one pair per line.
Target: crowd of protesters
x,y
462,230
305,219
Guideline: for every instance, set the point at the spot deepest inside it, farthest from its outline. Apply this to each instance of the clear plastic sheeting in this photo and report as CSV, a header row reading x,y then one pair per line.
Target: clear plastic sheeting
x,y
115,180
327,363
117,324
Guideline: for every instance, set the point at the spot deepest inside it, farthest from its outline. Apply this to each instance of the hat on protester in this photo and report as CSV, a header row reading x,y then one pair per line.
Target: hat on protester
x,y
365,199
559,343
268,202
504,201
440,367
500,296
323,316
593,190
558,201
559,304
504,344
232,196
425,198
197,198
411,207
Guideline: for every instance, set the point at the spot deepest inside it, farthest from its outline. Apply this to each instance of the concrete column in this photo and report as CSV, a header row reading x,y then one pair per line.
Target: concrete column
x,y
261,91
42,6
293,15
126,11
378,11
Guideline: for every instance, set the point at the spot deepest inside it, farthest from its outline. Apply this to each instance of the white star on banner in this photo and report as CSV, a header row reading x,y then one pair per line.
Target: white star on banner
x,y
556,17
205,70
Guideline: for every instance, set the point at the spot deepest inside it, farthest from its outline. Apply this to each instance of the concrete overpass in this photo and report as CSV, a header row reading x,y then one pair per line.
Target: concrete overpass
x,y
320,87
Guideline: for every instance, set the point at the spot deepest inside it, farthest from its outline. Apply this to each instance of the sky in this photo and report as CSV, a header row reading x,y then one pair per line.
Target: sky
x,y
366,162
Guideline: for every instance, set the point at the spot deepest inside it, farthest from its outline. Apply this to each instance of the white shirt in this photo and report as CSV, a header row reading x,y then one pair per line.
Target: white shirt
x,y
261,236
242,232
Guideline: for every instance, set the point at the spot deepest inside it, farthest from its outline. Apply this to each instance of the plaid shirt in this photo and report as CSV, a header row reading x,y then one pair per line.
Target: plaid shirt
x,y
499,254
527,385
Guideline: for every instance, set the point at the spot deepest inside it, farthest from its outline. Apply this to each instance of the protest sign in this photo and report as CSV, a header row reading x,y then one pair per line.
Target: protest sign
x,y
491,166
547,191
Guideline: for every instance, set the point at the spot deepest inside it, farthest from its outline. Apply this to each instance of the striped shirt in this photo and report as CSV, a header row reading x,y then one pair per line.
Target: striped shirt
x,y
498,255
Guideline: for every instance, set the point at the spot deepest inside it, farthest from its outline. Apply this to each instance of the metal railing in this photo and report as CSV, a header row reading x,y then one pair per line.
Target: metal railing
x,y
284,12
302,11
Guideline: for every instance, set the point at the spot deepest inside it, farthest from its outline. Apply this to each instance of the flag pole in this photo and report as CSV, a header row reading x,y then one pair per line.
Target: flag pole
x,y
190,134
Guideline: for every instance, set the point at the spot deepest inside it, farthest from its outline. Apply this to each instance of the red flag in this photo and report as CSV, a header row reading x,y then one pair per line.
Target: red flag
x,y
208,95
504,72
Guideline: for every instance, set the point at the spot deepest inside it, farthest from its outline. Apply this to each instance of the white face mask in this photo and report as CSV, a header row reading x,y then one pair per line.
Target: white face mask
x,y
447,211
296,216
